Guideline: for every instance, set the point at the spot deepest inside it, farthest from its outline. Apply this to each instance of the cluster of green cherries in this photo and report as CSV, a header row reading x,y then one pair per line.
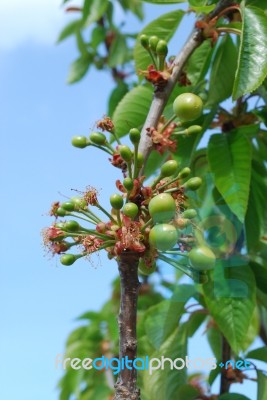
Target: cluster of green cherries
x,y
157,50
164,235
160,219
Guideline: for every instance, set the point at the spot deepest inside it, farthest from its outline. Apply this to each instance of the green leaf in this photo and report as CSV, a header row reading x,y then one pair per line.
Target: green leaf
x,y
164,1
164,27
257,3
69,30
97,36
199,62
260,272
204,9
252,61
261,298
162,319
118,53
187,392
200,6
79,68
116,96
165,383
214,337
95,10
233,396
86,9
135,6
194,322
213,374
262,386
258,354
132,110
231,300
223,71
82,46
257,211
230,161
253,329
90,315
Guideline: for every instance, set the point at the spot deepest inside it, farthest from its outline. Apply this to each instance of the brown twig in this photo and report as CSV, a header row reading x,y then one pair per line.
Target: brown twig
x,y
226,355
126,388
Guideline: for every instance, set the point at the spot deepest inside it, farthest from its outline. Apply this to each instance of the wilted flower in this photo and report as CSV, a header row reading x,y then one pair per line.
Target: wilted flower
x,y
54,208
91,243
161,137
90,196
129,236
105,124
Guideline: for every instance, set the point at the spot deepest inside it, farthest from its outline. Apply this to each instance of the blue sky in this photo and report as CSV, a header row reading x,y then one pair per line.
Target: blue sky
x,y
39,114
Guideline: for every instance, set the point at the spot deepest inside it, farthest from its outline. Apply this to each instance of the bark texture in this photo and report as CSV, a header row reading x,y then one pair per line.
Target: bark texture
x,y
126,387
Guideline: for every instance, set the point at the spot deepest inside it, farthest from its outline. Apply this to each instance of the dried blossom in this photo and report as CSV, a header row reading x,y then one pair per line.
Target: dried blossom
x,y
157,78
161,136
53,209
91,243
129,236
105,124
118,162
52,233
90,196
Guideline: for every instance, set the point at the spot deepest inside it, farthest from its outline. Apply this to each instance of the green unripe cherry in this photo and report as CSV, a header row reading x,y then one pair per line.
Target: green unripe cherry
x,y
190,213
153,41
68,206
135,135
60,212
187,106
193,183
98,138
169,168
202,258
78,202
116,201
162,48
71,226
79,141
67,259
144,41
128,183
163,237
144,269
194,129
60,225
130,210
184,173
162,207
126,153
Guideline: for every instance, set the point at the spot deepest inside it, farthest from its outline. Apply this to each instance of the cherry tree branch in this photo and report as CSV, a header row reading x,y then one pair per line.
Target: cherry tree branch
x,y
126,388
161,97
